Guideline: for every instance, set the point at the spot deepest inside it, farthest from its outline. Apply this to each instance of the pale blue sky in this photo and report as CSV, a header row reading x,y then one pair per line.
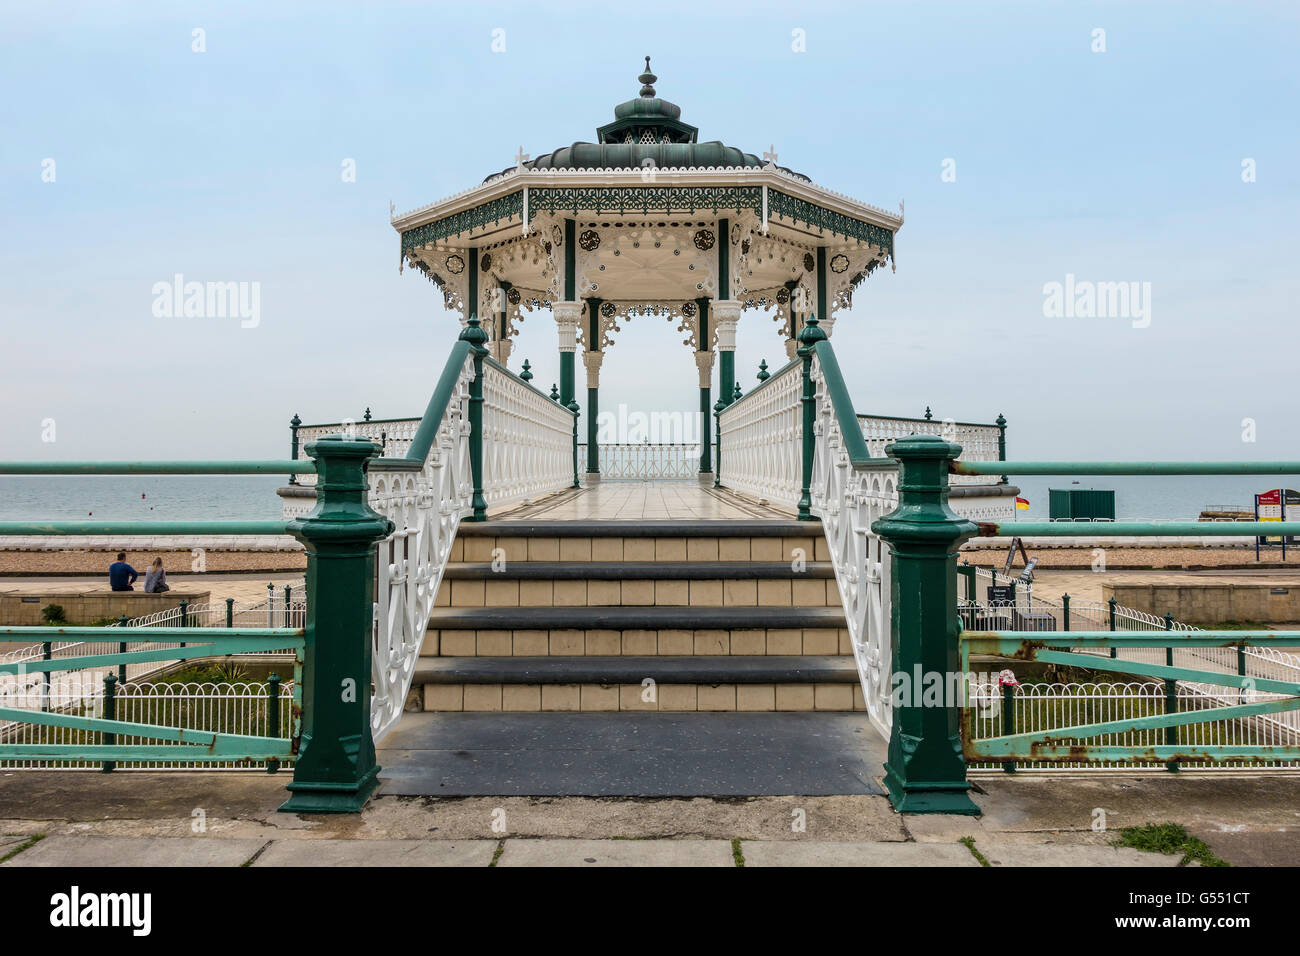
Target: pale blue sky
x,y
225,165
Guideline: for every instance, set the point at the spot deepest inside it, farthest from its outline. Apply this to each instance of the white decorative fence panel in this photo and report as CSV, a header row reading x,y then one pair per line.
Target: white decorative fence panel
x,y
978,442
647,462
426,506
762,441
527,440
393,435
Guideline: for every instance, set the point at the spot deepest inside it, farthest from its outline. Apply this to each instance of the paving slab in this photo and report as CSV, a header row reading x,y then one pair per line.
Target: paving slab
x,y
8,843
617,853
811,853
378,853
638,755
1062,854
94,851
1278,847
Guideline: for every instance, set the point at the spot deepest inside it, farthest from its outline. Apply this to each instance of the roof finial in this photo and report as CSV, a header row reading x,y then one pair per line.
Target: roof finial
x,y
646,79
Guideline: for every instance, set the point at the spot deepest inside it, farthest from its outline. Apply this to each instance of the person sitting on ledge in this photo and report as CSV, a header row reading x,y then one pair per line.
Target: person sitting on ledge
x,y
120,574
155,579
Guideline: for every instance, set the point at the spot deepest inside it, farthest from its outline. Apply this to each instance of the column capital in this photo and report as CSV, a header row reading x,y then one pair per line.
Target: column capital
x,y
592,360
725,314
704,362
567,317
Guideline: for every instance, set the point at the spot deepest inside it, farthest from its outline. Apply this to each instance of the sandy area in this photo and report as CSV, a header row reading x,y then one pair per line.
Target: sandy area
x,y
1144,558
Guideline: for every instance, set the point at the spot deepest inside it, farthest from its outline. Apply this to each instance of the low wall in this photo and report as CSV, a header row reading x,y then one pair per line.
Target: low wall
x,y
86,605
1206,604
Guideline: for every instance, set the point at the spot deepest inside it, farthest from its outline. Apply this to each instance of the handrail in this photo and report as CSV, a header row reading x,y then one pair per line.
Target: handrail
x,y
296,466
418,451
143,527
927,421
1125,468
1023,529
851,432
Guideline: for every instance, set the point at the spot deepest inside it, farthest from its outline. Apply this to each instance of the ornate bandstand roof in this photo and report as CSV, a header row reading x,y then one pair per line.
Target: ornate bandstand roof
x,y
647,219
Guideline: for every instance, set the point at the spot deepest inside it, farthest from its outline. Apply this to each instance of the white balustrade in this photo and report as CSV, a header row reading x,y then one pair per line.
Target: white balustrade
x,y
392,434
426,503
527,440
647,461
762,441
978,442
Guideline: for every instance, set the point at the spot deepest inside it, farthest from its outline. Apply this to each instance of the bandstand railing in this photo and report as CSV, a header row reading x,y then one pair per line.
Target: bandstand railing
x,y
647,461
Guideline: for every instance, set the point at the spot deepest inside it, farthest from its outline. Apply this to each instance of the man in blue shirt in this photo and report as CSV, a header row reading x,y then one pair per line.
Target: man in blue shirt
x,y
120,574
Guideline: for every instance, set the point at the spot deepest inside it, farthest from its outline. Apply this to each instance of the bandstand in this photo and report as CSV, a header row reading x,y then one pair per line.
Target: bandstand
x,y
647,222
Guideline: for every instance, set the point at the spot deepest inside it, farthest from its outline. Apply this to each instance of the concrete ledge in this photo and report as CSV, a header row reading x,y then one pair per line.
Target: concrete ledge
x,y
346,852
81,851
86,605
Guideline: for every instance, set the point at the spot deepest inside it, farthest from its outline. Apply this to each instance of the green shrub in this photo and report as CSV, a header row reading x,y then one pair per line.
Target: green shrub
x,y
54,614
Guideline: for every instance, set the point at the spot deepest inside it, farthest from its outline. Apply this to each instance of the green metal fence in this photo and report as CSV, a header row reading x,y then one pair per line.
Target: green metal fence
x,y
329,737
931,737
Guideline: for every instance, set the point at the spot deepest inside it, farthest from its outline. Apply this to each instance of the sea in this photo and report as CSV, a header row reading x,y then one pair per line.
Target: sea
x,y
210,497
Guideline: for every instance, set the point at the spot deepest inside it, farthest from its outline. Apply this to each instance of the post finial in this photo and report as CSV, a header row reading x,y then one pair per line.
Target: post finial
x,y
527,373
473,333
809,335
763,374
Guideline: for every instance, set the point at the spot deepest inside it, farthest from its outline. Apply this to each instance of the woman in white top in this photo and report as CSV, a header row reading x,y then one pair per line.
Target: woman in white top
x,y
155,579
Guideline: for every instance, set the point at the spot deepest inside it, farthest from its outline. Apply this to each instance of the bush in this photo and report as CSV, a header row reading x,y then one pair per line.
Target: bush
x,y
54,614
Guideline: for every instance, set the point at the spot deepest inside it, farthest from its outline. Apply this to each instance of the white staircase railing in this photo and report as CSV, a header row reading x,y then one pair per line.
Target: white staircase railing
x,y
527,451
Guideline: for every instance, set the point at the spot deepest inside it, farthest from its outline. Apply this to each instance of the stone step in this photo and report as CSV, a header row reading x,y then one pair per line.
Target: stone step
x,y
640,541
640,684
621,583
749,640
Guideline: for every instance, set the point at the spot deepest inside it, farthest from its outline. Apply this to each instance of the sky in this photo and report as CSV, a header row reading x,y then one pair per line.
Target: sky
x,y
1024,154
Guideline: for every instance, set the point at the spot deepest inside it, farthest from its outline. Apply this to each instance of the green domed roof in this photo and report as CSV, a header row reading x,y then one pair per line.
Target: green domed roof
x,y
646,129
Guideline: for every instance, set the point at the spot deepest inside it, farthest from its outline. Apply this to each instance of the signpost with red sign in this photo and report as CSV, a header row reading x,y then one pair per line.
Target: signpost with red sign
x,y
1272,506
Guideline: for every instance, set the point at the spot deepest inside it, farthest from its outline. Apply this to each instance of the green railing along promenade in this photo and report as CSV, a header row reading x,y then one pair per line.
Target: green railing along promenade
x,y
331,742
932,740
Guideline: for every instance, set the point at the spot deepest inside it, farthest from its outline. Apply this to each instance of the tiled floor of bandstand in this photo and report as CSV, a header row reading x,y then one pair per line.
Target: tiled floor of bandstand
x,y
618,500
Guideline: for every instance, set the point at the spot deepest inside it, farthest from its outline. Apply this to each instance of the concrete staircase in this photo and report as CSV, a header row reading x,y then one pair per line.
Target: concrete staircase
x,y
671,616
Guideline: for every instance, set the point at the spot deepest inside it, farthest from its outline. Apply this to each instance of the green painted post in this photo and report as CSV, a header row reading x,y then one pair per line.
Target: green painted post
x,y
706,392
1065,612
270,604
334,768
593,393
718,407
293,443
288,591
1171,697
1002,442
273,716
1114,651
475,336
110,713
574,407
1008,720
230,612
185,613
121,647
925,771
46,654
809,336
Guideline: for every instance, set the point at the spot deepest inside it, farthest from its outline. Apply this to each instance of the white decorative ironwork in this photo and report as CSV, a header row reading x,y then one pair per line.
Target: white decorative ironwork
x,y
425,504
978,442
848,498
761,438
647,461
393,435
527,440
